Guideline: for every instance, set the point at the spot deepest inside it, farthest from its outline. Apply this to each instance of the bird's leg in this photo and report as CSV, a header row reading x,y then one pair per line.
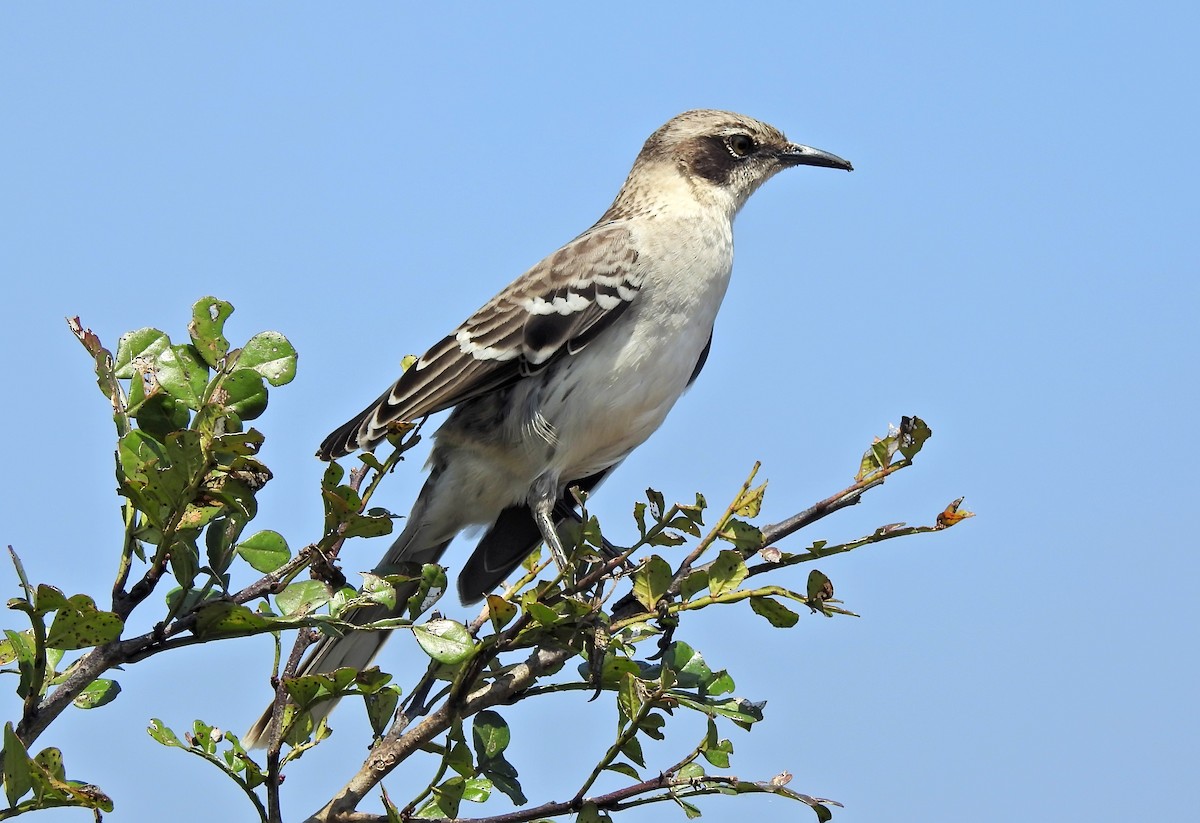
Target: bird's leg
x,y
545,495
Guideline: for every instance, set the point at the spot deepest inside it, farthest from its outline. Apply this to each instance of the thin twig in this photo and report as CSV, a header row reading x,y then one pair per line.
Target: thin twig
x,y
304,638
623,798
848,496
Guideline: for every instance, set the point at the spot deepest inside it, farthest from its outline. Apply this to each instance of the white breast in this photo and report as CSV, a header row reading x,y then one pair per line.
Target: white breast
x,y
618,391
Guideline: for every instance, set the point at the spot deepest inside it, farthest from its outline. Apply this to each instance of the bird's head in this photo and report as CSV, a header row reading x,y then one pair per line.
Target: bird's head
x,y
723,155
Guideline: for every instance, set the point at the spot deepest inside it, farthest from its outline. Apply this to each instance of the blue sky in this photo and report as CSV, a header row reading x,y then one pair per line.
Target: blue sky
x,y
1014,259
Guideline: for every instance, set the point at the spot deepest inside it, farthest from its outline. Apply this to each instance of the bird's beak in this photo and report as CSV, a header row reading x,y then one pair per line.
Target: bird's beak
x,y
793,154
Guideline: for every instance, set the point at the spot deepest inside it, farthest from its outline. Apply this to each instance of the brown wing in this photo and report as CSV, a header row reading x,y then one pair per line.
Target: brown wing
x,y
553,310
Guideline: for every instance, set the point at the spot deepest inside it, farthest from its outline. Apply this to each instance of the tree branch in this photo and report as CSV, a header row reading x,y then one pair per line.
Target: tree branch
x,y
848,496
394,749
624,798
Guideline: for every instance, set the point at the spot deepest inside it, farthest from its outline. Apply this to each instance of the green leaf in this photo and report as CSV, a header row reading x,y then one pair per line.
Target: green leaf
x,y
49,599
623,768
51,790
184,559
665,538
80,625
633,750
455,753
265,551
17,646
688,664
685,524
652,725
445,801
162,734
21,644
304,689
160,477
726,572
204,737
542,614
741,534
650,581
243,393
159,415
332,476
446,641
221,537
589,813
238,443
432,586
612,670
694,583
490,734
721,683
381,706
629,697
741,711
657,503
500,611
300,728
197,517
749,502
144,344
224,618
137,454
183,375
206,329
589,533
820,589
180,600
532,560
695,513
378,590
106,380
302,597
270,354
504,778
477,789
237,494
17,780
389,808
912,435
51,761
186,455
375,522
777,614
639,516
98,693
716,751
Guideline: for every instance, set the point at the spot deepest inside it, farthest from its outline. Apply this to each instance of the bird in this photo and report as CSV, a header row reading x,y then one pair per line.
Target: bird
x,y
573,365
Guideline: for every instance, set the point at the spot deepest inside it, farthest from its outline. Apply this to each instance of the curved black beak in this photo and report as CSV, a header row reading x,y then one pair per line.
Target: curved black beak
x,y
793,154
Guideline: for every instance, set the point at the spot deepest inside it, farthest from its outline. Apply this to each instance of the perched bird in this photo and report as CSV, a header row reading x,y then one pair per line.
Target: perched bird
x,y
556,379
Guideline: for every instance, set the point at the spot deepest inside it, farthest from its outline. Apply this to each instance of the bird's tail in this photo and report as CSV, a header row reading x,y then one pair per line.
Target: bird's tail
x,y
355,649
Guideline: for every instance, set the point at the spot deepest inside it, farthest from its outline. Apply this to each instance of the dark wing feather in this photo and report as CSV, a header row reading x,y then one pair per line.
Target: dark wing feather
x,y
700,362
512,538
555,309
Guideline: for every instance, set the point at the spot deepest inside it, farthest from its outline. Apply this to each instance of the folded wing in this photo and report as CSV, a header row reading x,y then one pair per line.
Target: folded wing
x,y
553,310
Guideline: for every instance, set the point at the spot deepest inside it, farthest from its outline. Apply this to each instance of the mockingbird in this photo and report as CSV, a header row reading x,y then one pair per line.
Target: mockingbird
x,y
574,364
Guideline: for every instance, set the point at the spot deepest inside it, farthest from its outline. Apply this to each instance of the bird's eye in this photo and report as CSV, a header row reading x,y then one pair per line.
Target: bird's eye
x,y
741,145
